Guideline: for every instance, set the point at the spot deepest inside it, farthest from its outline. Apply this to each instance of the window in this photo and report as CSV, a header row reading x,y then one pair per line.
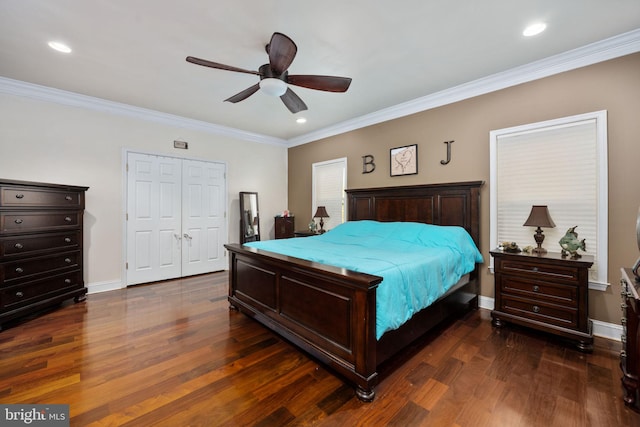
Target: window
x,y
560,163
329,180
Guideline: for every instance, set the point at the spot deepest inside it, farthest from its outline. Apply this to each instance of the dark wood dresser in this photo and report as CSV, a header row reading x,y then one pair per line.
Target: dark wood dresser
x,y
630,354
41,229
546,292
285,227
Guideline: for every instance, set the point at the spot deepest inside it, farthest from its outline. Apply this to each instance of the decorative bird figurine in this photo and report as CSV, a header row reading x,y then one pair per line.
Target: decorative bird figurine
x,y
570,244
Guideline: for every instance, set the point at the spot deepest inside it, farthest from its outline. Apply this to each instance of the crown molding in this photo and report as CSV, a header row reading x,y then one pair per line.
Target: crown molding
x,y
48,94
614,47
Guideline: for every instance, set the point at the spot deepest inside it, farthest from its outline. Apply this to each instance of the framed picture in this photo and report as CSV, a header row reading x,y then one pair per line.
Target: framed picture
x,y
404,160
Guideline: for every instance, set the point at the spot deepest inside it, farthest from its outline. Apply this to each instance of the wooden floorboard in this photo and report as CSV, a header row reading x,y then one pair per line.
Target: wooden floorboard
x,y
173,354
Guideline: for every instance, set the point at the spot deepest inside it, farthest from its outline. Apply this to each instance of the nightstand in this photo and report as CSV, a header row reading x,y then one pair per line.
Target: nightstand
x,y
546,292
305,233
284,226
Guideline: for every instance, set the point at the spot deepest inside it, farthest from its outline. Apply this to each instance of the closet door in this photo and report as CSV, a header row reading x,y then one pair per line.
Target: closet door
x,y
203,217
176,218
154,222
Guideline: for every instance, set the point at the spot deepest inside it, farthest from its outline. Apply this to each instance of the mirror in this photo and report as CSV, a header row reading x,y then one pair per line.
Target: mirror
x,y
249,217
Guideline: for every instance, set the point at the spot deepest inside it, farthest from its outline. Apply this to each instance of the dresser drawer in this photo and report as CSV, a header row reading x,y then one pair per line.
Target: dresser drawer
x,y
26,293
35,197
18,222
28,268
539,271
15,246
539,311
557,293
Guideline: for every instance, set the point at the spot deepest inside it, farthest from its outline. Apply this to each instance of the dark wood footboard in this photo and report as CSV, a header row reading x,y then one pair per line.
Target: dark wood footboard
x,y
327,311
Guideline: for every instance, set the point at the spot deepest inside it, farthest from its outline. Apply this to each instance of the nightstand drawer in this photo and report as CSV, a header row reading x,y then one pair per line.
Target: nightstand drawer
x,y
539,271
566,295
539,311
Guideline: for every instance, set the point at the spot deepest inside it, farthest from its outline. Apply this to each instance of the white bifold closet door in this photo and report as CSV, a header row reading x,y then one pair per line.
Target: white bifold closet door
x,y
176,223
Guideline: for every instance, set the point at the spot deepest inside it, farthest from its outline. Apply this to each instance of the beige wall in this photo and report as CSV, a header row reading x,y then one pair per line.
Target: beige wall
x,y
43,141
613,86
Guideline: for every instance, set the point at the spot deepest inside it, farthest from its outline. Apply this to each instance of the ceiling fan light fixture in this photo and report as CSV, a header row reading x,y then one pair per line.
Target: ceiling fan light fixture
x,y
273,87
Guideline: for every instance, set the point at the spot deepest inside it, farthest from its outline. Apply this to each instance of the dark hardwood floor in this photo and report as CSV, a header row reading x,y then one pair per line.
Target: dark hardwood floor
x,y
173,354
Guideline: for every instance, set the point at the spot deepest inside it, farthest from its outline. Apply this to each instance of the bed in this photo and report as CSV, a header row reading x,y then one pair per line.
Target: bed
x,y
329,311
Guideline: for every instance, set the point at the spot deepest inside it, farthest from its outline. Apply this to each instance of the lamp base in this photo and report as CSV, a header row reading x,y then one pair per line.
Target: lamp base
x,y
539,238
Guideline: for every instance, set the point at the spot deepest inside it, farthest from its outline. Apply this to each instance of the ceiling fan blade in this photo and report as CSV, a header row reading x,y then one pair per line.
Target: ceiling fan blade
x,y
219,66
293,101
326,83
281,51
244,94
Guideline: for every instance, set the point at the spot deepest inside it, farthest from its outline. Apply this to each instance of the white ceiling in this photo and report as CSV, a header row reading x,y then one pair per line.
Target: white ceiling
x,y
133,51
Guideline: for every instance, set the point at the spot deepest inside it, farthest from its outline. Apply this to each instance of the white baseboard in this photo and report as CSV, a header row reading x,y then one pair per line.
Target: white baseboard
x,y
601,329
94,288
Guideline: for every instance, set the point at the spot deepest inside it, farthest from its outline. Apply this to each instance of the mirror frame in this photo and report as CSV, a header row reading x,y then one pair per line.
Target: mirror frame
x,y
249,228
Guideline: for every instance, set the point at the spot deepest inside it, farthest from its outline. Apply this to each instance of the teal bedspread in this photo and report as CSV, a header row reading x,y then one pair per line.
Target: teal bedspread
x,y
418,262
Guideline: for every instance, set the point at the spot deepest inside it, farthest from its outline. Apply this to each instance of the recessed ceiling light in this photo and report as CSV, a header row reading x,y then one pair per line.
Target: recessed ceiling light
x,y
301,120
534,29
60,47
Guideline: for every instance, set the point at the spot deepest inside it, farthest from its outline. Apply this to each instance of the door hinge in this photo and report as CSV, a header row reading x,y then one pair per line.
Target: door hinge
x,y
127,216
126,265
127,164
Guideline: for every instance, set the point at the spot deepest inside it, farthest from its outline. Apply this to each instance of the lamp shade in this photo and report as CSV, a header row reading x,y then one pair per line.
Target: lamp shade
x,y
539,217
273,86
321,212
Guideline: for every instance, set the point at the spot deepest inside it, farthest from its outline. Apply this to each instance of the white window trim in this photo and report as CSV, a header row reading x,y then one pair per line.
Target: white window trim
x,y
600,117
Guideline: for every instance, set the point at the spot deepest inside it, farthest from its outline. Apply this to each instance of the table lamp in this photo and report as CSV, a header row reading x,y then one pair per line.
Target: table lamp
x,y
321,212
539,217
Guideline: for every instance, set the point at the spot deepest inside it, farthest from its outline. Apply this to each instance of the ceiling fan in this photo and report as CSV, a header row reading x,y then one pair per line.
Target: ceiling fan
x,y
274,77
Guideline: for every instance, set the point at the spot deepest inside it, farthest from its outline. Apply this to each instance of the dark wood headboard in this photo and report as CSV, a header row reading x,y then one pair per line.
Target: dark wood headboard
x,y
439,204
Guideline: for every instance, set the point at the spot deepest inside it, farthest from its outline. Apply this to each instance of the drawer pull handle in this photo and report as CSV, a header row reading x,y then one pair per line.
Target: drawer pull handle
x,y
67,218
67,240
68,198
67,260
18,221
67,281
536,309
19,270
536,288
19,294
534,269
18,246
19,196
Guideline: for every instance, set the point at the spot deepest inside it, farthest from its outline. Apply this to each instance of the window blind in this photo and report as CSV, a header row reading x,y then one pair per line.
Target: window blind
x,y
557,165
329,182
